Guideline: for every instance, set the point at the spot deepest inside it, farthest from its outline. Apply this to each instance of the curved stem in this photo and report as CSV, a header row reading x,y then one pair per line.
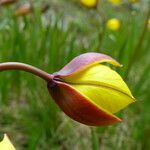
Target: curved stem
x,y
25,67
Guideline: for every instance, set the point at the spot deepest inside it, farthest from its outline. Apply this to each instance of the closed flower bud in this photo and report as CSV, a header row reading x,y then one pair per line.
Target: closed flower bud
x,y
7,2
134,1
89,3
115,2
148,24
113,24
24,10
5,144
90,92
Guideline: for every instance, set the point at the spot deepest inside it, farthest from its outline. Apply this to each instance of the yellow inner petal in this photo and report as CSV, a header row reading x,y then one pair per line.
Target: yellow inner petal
x,y
103,86
107,98
100,75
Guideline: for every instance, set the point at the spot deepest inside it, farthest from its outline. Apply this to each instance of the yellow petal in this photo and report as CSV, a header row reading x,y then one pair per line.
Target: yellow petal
x,y
108,99
100,75
5,144
103,86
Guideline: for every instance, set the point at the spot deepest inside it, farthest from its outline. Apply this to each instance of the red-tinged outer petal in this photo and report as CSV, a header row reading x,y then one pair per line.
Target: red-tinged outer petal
x,y
83,61
78,107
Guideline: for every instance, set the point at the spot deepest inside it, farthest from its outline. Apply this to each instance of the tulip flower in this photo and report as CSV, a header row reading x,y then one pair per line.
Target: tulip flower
x,y
7,2
28,8
115,2
148,24
5,144
85,89
24,10
134,1
113,24
89,3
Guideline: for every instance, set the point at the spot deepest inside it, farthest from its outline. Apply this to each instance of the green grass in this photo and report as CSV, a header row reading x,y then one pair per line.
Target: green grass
x,y
27,112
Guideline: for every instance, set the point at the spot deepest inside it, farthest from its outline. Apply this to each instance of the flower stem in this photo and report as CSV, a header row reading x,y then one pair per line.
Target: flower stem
x,y
25,67
137,49
95,142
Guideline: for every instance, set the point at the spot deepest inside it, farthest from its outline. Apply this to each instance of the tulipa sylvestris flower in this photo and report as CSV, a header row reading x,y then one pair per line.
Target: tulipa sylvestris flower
x,y
89,3
113,24
7,2
24,10
134,1
85,89
5,144
115,2
148,24
28,8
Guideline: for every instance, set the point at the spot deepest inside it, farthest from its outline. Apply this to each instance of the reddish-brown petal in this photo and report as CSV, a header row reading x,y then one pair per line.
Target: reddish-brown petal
x,y
79,107
7,2
24,9
83,61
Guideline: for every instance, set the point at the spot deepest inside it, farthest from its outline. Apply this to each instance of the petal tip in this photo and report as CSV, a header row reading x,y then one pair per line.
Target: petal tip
x,y
119,120
134,99
118,64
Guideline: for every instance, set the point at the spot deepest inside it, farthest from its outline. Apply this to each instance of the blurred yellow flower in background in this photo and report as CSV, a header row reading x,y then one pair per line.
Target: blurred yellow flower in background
x,y
113,24
115,2
5,144
148,24
134,1
89,3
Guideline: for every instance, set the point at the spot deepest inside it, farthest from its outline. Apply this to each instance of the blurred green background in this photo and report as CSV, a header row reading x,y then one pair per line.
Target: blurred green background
x,y
51,39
